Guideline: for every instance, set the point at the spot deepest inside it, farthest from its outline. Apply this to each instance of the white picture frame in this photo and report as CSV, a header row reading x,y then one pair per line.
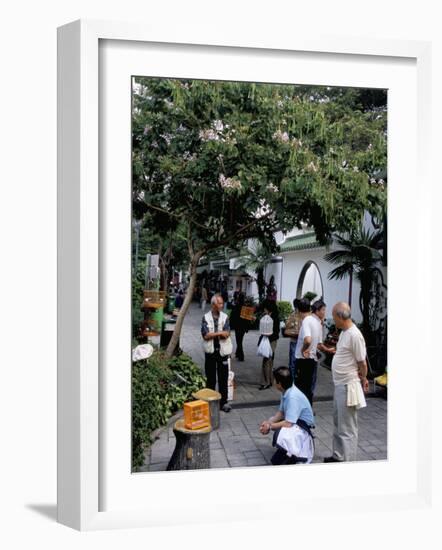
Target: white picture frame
x,y
82,398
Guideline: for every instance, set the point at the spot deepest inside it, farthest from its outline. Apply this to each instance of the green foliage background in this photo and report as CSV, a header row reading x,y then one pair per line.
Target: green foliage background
x,y
138,276
284,310
314,155
160,386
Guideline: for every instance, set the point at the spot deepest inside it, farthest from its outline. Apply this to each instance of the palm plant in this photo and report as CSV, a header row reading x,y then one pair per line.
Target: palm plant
x,y
359,255
255,260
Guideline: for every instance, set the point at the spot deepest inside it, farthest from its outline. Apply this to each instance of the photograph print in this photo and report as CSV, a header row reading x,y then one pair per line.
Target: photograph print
x,y
259,274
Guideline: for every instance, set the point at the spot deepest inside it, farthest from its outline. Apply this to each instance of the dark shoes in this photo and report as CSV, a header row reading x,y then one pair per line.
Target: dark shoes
x,y
261,387
332,459
226,408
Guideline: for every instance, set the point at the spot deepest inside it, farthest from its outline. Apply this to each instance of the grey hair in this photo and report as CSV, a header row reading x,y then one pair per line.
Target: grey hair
x,y
215,298
342,310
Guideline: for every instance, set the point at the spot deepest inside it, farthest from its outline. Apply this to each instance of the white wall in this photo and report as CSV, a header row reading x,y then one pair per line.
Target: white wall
x,y
334,291
274,269
249,287
312,281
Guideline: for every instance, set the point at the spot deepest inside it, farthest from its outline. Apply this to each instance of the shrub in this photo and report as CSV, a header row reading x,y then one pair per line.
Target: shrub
x,y
160,386
137,300
310,296
284,310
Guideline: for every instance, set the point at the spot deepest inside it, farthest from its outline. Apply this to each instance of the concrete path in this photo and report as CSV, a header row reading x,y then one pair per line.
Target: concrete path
x,y
238,442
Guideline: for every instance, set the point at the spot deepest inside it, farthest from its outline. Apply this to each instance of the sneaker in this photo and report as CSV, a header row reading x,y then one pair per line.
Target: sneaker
x,y
332,459
226,408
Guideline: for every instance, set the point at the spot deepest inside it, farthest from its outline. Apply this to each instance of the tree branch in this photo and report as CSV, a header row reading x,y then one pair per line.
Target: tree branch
x,y
174,215
238,232
189,241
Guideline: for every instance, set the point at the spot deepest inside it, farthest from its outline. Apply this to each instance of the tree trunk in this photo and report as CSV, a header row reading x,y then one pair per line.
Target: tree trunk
x,y
164,276
174,341
192,450
365,280
164,267
261,283
213,398
350,288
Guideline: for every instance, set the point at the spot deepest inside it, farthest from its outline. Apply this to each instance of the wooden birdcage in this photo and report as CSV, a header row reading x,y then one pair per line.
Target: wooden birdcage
x,y
150,327
196,414
154,299
247,313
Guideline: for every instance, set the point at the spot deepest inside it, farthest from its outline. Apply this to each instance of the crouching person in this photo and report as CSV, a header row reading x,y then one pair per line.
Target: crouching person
x,y
292,424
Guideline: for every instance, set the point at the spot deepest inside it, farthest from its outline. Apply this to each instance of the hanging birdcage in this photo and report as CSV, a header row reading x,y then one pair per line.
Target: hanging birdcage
x,y
266,325
247,313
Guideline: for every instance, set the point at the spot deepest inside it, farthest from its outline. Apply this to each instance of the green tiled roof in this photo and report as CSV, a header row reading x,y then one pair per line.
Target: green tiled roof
x,y
300,242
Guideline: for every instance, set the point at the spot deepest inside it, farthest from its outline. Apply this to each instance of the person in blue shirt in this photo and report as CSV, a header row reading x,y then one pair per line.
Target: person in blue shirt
x,y
294,408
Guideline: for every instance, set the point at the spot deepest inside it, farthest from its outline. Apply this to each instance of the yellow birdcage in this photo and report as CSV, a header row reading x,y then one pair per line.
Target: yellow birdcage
x,y
196,414
247,313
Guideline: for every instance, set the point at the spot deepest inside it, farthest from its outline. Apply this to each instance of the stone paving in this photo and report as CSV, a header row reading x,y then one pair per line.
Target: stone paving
x,y
238,442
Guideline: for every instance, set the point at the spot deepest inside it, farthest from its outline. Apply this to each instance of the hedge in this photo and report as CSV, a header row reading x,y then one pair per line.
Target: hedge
x,y
160,386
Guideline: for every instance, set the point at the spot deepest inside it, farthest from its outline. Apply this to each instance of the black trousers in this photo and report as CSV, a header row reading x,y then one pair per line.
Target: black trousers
x,y
217,367
304,376
239,335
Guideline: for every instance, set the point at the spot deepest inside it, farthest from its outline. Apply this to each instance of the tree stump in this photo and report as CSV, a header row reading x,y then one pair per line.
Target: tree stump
x,y
192,451
213,398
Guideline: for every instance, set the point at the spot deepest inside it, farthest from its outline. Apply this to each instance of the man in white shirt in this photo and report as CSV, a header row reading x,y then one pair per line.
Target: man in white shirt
x,y
293,326
349,368
307,346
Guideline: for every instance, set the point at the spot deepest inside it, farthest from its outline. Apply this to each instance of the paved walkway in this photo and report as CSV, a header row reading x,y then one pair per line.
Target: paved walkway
x,y
248,373
238,442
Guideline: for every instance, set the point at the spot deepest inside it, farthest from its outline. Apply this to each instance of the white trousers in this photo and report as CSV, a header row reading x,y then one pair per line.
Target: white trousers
x,y
345,419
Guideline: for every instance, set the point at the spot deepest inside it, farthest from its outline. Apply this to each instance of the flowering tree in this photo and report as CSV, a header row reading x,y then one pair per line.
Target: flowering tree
x,y
228,161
